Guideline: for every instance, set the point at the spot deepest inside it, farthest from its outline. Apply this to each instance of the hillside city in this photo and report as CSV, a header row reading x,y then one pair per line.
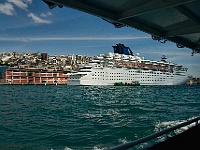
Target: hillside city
x,y
43,60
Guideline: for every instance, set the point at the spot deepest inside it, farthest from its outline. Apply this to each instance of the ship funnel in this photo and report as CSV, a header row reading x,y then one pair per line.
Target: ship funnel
x,y
121,49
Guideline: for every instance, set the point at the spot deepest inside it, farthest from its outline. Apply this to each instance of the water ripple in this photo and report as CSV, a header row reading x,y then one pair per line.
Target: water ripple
x,y
89,117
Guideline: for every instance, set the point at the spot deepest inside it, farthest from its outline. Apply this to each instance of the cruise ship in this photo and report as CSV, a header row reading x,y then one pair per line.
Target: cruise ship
x,y
123,66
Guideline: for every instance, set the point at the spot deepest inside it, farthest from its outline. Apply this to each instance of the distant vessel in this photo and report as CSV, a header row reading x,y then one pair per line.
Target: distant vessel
x,y
122,66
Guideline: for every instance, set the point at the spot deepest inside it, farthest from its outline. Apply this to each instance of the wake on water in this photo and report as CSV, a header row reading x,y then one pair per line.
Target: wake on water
x,y
167,124
158,127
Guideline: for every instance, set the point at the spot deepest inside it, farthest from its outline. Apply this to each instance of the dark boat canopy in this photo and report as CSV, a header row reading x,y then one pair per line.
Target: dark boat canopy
x,y
173,20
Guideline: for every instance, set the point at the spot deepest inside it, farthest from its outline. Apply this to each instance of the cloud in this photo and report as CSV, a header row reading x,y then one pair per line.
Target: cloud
x,y
18,39
46,14
23,4
85,38
7,9
28,39
38,20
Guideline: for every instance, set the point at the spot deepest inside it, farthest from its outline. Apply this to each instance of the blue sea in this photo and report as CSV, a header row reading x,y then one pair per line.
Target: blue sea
x,y
39,117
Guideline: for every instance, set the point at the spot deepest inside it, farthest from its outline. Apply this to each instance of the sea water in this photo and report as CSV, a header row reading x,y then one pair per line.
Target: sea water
x,y
65,117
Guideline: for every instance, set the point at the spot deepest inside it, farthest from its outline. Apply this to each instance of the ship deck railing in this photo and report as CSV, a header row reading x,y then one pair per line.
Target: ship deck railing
x,y
155,135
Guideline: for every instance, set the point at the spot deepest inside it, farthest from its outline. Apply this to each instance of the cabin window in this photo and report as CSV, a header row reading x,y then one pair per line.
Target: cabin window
x,y
30,74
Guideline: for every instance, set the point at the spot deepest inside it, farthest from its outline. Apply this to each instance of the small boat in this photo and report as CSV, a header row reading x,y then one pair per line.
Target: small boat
x,y
133,83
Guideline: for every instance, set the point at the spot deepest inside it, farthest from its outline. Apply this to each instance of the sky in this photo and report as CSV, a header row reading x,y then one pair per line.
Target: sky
x,y
28,26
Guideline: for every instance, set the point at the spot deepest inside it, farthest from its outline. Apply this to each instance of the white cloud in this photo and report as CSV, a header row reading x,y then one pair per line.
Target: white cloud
x,y
46,14
7,9
28,39
19,3
37,19
28,1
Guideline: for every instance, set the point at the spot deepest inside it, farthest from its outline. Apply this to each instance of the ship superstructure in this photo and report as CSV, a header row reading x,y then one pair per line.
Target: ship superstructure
x,y
122,66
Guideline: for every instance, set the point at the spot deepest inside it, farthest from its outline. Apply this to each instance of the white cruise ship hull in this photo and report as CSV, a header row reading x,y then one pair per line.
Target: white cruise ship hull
x,y
109,76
